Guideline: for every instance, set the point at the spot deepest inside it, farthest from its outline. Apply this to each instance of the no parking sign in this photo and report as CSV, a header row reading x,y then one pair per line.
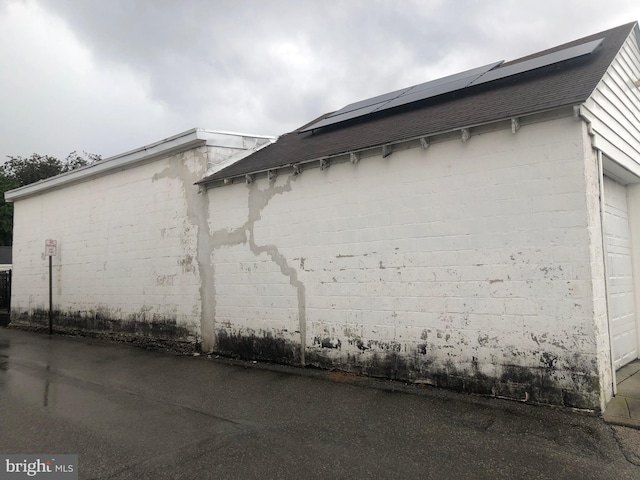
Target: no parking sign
x,y
50,247
50,250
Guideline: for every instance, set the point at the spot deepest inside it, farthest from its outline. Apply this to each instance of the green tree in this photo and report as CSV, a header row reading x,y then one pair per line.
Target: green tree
x,y
6,212
20,171
24,171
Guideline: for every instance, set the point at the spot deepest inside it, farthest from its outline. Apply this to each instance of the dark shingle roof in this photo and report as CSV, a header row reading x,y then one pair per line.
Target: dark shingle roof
x,y
568,83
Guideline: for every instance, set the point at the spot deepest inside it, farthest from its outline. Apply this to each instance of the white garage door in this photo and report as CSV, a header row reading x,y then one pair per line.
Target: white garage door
x,y
622,312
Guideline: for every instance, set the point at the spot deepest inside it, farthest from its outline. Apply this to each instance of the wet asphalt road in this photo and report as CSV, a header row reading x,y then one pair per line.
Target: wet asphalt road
x,y
135,414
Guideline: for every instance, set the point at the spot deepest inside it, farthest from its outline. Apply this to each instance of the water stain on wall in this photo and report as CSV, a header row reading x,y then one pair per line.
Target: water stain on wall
x,y
142,325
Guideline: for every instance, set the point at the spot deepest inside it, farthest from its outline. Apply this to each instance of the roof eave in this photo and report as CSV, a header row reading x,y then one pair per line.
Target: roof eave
x,y
219,176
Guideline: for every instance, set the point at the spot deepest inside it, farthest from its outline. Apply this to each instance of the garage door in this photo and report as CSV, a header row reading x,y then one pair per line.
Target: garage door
x,y
622,312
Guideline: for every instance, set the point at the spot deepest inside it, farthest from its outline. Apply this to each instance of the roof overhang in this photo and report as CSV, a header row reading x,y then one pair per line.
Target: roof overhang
x,y
181,142
513,122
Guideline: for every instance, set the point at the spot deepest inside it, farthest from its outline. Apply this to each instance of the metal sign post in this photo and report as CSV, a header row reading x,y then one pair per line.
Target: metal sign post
x,y
50,250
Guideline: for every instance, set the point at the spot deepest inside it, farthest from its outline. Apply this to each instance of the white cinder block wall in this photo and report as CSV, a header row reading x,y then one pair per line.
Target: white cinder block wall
x,y
127,251
466,265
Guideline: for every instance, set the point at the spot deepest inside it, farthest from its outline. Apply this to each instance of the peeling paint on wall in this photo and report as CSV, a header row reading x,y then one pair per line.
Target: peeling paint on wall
x,y
459,272
197,217
468,271
129,260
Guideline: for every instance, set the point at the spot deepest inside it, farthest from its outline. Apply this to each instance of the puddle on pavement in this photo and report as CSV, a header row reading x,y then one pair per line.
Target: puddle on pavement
x,y
41,381
25,386
120,414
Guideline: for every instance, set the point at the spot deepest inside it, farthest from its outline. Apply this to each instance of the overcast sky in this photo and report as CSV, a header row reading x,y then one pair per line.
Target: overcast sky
x,y
107,76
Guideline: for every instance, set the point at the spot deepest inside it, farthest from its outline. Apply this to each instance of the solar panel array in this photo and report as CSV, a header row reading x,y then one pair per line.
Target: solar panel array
x,y
539,62
452,83
404,96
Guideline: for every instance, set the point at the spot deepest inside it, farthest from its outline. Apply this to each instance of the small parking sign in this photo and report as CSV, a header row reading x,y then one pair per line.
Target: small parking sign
x,y
50,247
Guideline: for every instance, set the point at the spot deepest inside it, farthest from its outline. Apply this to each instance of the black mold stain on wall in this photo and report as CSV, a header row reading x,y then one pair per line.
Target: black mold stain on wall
x,y
372,358
388,360
253,346
134,326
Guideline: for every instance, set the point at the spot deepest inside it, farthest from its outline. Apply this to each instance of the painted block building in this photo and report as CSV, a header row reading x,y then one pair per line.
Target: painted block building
x,y
127,236
476,232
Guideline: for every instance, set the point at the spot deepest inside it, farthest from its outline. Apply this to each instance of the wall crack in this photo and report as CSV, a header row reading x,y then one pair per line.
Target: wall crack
x,y
257,201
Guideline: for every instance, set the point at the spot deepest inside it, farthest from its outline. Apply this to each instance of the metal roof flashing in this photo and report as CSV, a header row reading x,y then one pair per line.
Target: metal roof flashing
x,y
181,142
236,157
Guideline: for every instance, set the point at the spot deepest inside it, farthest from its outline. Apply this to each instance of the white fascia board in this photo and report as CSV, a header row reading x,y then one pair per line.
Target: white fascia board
x,y
232,139
181,142
238,156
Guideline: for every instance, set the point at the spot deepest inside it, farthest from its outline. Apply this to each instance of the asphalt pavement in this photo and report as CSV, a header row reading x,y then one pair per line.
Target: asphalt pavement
x,y
131,413
624,408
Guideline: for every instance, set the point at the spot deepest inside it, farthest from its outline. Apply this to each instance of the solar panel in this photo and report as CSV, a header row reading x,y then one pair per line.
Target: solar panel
x,y
451,83
539,62
358,109
432,89
417,92
341,116
372,101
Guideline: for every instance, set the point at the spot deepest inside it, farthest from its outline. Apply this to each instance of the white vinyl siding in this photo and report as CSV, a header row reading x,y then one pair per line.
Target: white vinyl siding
x,y
614,107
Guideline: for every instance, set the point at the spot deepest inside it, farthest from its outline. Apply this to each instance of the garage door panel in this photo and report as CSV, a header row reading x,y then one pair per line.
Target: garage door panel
x,y
622,309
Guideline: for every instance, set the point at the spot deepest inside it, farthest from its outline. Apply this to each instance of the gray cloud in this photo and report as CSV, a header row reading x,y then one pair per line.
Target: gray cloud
x,y
270,66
